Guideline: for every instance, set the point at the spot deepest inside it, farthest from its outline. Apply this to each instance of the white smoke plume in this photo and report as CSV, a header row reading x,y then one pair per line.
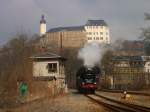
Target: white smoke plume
x,y
91,54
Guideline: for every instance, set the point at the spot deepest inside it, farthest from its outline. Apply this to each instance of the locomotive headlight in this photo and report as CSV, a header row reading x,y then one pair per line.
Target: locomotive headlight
x,y
83,83
94,82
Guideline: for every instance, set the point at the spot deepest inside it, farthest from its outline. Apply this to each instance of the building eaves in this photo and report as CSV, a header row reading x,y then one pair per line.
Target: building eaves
x,y
120,58
127,58
47,55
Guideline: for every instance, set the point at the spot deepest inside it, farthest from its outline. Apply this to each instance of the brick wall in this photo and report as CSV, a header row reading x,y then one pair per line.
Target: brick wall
x,y
64,39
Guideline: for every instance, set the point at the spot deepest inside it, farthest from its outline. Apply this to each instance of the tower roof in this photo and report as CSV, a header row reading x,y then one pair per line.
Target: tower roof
x,y
42,19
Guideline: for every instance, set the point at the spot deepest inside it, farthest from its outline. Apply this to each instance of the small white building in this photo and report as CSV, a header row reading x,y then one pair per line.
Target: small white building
x,y
48,65
147,68
147,63
50,68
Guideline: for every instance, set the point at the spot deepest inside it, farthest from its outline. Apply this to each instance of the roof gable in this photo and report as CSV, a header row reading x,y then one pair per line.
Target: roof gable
x,y
47,55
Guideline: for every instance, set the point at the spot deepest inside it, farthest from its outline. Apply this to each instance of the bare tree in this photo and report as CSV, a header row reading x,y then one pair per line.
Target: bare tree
x,y
146,35
15,64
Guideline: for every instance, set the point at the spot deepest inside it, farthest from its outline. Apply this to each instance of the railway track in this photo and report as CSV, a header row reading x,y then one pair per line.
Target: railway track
x,y
117,106
130,92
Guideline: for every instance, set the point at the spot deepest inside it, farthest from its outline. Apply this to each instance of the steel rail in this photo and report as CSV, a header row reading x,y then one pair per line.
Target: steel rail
x,y
130,92
109,106
138,108
118,106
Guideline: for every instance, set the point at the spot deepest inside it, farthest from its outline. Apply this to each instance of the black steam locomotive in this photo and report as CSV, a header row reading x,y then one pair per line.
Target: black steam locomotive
x,y
87,79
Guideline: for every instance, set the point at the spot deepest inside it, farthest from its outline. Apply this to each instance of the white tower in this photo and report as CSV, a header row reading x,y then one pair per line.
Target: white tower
x,y
42,25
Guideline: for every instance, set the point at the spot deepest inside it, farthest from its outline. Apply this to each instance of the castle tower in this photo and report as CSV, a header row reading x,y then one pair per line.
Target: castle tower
x,y
42,25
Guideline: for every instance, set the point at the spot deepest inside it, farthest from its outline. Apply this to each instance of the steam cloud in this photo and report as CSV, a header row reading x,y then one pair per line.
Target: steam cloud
x,y
91,54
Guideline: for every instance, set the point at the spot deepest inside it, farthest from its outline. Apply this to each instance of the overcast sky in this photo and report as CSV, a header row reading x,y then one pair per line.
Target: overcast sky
x,y
124,17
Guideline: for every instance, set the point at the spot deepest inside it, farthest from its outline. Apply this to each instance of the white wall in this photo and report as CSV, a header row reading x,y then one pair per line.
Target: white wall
x,y
147,67
42,29
97,33
40,69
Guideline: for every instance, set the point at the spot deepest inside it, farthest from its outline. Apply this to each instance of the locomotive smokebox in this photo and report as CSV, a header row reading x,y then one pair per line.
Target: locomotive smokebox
x,y
87,79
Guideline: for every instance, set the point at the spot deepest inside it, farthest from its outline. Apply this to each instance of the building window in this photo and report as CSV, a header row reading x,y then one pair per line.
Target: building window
x,y
101,38
101,26
101,33
89,38
90,33
97,38
52,67
106,33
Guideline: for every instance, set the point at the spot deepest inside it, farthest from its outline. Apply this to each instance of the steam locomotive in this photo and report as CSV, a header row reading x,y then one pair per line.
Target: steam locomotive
x,y
87,79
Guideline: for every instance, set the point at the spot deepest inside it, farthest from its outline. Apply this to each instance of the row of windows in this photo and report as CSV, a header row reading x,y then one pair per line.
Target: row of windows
x,y
96,33
97,38
90,27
